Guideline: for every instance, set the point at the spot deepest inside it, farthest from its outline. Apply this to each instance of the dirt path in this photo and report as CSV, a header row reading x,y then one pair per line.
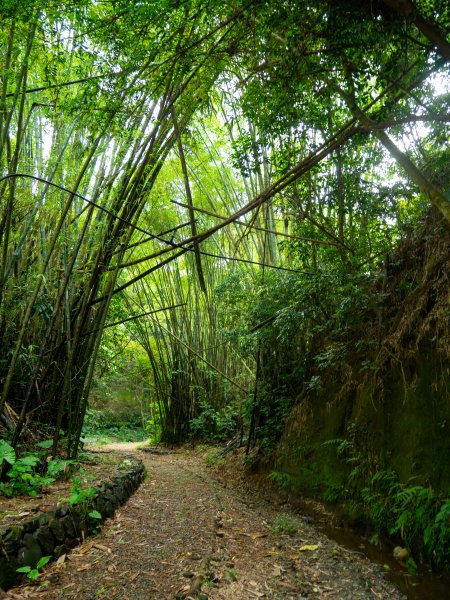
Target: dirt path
x,y
182,521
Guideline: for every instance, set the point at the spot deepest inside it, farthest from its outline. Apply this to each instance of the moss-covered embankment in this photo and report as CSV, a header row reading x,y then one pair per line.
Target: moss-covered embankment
x,y
380,414
405,427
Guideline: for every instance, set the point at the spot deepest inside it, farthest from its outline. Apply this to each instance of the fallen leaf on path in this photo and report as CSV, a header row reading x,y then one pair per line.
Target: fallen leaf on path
x,y
255,534
289,586
61,560
84,549
308,547
101,547
135,576
277,571
85,567
257,594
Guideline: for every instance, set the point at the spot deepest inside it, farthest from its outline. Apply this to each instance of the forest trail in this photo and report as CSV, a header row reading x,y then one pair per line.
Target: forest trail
x,y
182,522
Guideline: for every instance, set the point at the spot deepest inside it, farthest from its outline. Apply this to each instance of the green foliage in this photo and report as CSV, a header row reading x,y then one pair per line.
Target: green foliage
x,y
45,444
314,383
213,457
214,425
417,514
56,467
23,477
230,574
7,453
32,471
103,74
79,494
232,294
272,410
154,427
34,573
107,424
286,523
284,481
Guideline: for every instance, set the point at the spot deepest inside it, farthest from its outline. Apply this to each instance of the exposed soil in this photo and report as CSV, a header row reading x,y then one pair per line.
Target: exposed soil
x,y
184,532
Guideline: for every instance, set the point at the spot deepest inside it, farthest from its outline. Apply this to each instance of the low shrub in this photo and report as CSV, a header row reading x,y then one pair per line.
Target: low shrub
x,y
32,471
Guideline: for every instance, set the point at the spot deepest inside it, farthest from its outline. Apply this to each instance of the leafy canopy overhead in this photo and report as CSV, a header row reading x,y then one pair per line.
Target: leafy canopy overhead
x,y
149,148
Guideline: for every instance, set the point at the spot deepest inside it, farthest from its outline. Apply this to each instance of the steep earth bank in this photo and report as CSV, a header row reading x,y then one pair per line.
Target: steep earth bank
x,y
382,404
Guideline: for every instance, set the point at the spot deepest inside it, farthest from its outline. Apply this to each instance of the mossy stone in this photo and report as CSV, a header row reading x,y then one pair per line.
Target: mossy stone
x,y
8,574
57,530
59,550
12,538
45,539
30,553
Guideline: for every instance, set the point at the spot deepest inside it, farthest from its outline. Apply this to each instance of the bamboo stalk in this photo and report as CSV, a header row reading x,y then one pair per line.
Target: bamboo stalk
x,y
198,261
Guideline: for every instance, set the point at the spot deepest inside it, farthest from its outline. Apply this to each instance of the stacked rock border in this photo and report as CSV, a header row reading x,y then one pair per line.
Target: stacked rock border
x,y
52,533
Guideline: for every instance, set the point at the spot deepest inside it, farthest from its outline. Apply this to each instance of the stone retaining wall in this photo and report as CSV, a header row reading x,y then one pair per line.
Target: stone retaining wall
x,y
53,532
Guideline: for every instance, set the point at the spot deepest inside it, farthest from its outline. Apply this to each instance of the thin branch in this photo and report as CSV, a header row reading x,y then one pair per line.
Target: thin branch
x,y
434,195
203,359
64,84
102,208
151,312
431,31
251,226
151,239
405,120
254,262
324,150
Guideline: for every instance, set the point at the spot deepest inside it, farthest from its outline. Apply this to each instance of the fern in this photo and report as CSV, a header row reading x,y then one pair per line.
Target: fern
x,y
282,480
417,514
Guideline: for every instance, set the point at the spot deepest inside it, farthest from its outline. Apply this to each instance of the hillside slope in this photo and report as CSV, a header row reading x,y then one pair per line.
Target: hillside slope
x,y
381,415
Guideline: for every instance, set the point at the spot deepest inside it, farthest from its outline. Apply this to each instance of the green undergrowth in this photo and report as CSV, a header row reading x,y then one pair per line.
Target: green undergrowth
x,y
214,425
211,454
283,481
415,513
286,523
104,426
419,515
31,471
114,434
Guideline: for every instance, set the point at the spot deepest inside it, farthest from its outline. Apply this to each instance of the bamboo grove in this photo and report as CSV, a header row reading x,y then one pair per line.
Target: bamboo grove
x,y
181,169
